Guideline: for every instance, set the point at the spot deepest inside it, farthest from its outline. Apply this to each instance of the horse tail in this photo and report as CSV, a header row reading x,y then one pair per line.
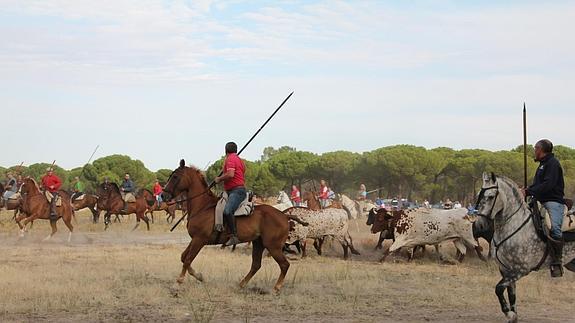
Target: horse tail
x,y
298,220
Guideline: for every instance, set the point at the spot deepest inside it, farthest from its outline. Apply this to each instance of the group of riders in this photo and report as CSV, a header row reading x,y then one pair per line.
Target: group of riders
x,y
547,188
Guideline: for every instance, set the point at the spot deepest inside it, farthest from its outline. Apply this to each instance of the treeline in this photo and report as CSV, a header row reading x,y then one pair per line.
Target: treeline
x,y
406,171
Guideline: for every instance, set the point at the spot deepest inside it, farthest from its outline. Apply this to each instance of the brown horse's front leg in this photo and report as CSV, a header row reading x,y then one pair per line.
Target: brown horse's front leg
x,y
188,256
257,252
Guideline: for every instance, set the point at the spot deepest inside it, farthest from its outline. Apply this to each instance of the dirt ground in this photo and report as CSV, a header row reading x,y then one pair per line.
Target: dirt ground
x,y
119,275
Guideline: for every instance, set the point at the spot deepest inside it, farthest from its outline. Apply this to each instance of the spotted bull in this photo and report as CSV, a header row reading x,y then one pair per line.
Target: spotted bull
x,y
321,223
431,227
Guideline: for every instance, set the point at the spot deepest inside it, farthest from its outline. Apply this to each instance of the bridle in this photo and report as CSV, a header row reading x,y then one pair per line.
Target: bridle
x,y
488,217
177,181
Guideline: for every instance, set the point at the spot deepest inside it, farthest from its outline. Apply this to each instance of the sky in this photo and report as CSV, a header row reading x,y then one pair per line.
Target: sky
x,y
164,80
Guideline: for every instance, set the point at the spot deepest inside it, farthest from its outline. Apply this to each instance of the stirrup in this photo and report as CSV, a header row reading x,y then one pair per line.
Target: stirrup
x,y
233,241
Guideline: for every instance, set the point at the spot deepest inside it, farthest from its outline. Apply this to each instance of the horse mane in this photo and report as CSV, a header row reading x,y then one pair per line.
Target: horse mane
x,y
203,179
115,187
514,187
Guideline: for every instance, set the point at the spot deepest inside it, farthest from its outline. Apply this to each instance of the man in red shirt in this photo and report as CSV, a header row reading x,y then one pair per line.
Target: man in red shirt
x,y
323,194
158,192
295,196
52,183
234,184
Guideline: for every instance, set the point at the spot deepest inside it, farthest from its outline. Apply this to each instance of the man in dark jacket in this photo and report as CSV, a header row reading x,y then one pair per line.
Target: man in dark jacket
x,y
548,188
127,188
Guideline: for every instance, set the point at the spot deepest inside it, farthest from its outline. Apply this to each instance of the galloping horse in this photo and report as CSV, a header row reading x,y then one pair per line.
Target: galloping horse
x,y
267,227
518,247
36,206
89,201
111,201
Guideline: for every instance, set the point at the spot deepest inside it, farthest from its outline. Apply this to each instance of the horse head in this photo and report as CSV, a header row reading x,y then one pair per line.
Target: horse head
x,y
183,180
29,186
499,196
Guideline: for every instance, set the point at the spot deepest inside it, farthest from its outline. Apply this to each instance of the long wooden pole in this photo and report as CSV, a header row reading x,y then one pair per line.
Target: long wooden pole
x,y
241,150
524,146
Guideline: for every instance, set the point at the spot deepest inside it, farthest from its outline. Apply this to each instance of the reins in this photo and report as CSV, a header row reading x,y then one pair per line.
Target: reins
x,y
495,243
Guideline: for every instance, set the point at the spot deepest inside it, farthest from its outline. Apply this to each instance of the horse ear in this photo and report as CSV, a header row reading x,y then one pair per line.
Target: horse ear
x,y
182,163
493,177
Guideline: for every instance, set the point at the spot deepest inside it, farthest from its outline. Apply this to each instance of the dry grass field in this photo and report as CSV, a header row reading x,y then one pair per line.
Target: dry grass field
x,y
120,275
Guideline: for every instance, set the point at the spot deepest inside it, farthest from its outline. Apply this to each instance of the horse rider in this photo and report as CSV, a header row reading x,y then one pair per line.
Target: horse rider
x,y
323,194
295,196
234,184
158,192
126,188
362,194
548,188
78,188
11,186
52,183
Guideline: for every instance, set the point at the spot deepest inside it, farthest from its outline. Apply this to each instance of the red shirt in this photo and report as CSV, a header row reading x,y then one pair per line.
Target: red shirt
x,y
157,189
295,196
50,180
323,192
234,162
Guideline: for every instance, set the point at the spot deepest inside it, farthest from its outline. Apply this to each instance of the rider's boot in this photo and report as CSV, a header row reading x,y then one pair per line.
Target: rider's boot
x,y
53,214
230,219
556,254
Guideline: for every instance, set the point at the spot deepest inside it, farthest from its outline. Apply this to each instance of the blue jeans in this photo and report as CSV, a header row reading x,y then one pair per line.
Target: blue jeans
x,y
235,197
555,210
159,199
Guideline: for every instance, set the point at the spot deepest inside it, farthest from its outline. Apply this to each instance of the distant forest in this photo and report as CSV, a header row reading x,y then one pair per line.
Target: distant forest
x,y
411,172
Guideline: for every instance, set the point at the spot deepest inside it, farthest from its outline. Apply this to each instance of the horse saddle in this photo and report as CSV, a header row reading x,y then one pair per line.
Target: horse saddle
x,y
568,219
129,198
49,196
244,209
79,198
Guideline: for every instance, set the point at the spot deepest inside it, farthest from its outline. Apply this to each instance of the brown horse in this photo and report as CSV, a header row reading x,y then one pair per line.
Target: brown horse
x,y
35,206
170,210
110,200
313,202
267,228
89,201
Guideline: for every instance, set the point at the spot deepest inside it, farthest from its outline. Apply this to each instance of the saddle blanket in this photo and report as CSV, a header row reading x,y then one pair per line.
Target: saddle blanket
x,y
129,197
245,208
49,196
568,220
15,196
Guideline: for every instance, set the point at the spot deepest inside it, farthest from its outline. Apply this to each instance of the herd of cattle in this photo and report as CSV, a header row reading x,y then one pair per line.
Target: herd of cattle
x,y
408,229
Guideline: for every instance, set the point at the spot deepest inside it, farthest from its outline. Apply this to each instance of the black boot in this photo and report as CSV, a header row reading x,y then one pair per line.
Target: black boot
x,y
230,219
556,254
53,214
570,265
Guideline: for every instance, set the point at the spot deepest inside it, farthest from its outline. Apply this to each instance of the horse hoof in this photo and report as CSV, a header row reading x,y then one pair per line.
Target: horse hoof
x,y
511,317
180,280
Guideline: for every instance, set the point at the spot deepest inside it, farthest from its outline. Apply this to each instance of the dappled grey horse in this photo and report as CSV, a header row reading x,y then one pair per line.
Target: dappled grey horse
x,y
517,246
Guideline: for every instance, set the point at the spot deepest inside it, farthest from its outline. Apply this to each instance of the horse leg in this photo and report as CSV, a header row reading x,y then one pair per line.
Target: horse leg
x,y
500,288
303,248
345,247
512,295
188,256
107,220
257,252
95,215
385,254
68,223
279,257
411,253
54,230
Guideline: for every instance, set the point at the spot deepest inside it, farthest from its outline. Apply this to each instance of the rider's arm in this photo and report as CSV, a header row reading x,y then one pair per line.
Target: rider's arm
x,y
549,180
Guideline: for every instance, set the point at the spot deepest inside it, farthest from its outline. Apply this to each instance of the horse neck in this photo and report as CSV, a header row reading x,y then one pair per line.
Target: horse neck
x,y
515,212
202,196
